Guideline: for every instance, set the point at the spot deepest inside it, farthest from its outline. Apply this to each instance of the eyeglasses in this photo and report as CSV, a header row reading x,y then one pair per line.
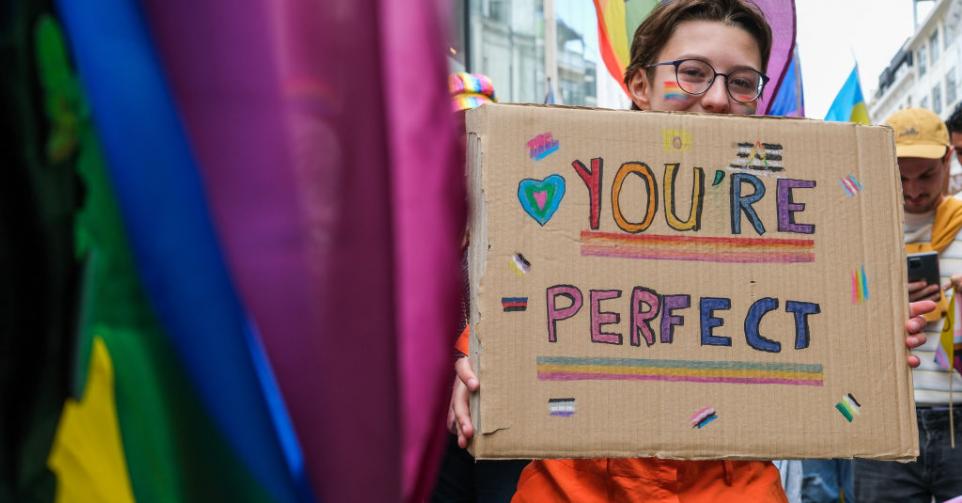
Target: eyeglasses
x,y
696,77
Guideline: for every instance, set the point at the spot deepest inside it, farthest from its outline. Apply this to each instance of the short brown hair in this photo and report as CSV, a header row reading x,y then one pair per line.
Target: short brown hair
x,y
652,35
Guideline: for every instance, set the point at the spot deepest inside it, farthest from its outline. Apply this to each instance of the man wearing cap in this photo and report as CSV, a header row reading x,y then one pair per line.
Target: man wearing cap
x,y
932,223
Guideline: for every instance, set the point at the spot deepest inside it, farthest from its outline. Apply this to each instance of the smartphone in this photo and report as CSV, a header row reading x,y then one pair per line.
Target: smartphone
x,y
924,266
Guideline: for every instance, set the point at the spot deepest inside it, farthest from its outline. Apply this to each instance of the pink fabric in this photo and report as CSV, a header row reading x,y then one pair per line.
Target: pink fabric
x,y
326,141
781,16
429,216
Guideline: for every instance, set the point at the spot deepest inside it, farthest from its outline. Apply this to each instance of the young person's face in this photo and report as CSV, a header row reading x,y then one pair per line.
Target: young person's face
x,y
922,182
726,48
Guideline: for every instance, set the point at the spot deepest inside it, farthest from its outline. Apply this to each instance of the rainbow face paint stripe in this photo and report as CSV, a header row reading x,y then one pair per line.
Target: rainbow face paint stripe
x,y
564,368
848,407
673,91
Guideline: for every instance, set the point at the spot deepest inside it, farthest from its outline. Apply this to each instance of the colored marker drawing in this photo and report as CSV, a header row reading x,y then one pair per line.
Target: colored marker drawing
x,y
850,185
564,407
541,198
702,417
848,407
542,146
859,286
562,368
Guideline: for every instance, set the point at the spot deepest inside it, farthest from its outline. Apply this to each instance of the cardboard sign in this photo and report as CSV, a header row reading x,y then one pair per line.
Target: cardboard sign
x,y
686,286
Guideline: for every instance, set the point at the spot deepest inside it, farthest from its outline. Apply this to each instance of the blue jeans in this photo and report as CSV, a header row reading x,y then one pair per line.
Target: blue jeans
x,y
936,474
824,480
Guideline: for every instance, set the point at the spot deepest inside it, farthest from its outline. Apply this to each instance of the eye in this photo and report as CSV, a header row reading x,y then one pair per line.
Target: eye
x,y
743,82
693,71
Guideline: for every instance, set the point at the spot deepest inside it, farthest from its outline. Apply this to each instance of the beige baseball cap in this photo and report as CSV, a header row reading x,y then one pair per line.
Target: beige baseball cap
x,y
919,133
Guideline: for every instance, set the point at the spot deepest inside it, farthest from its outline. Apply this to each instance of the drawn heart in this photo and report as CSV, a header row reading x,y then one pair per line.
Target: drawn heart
x,y
541,198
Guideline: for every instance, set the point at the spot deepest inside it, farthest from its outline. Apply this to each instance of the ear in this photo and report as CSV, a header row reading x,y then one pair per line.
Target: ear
x,y
639,88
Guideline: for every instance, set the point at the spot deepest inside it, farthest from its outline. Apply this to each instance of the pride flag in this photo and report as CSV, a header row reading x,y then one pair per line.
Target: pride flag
x,y
790,100
849,104
617,21
950,340
299,315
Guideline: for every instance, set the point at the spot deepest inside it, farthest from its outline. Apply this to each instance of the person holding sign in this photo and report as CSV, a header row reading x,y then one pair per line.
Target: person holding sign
x,y
704,56
932,224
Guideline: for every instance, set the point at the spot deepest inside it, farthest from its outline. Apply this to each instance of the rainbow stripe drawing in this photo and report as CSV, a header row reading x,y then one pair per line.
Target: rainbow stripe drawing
x,y
564,368
859,286
697,249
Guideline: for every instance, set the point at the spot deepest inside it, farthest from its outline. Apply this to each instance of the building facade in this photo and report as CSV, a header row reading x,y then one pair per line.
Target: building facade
x,y
925,72
505,40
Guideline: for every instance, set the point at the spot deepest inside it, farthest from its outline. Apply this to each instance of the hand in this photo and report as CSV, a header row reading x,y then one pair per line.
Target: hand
x,y
459,411
920,290
914,337
955,282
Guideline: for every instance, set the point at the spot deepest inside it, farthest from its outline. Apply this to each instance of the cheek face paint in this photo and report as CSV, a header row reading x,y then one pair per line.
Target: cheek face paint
x,y
673,92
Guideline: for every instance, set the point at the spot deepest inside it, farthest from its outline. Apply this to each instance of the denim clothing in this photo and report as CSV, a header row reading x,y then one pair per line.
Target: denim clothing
x,y
936,474
825,480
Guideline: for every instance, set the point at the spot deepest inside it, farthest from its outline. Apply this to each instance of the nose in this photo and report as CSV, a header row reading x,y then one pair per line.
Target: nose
x,y
716,99
910,189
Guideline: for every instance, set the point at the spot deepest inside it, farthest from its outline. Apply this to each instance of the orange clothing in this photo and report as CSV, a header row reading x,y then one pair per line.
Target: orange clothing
x,y
649,480
462,345
604,480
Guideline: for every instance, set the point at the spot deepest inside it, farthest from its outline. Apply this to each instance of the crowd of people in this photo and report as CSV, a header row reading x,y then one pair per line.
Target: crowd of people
x,y
716,52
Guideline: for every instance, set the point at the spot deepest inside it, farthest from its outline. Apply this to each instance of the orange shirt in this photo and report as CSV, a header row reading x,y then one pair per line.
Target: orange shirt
x,y
654,480
462,345
649,480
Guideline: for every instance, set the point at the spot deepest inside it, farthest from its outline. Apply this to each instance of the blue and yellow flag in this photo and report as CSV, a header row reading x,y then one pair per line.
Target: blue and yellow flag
x,y
849,104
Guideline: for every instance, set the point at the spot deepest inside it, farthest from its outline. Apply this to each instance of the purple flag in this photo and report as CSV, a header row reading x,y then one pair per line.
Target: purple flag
x,y
329,153
781,17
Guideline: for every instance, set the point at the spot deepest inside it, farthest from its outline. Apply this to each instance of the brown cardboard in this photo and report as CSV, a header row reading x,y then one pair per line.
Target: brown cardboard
x,y
638,400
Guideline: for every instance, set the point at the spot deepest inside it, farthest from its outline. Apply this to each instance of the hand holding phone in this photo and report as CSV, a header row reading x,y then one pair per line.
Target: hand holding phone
x,y
923,269
924,266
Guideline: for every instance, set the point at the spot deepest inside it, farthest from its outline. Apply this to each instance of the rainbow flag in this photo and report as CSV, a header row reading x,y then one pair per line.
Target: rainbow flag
x,y
617,21
849,104
948,354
